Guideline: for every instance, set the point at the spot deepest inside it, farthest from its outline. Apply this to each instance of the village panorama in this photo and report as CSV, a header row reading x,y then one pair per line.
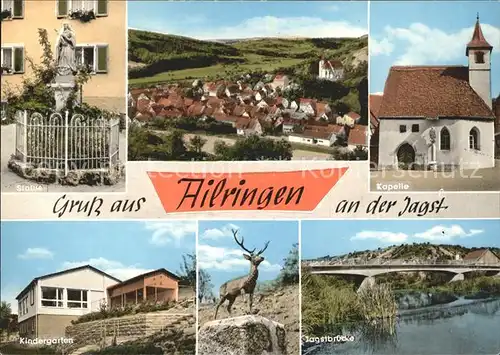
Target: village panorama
x,y
248,99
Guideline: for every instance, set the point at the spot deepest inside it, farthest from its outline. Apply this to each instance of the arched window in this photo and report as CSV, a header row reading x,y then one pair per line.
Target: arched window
x,y
444,139
474,139
480,57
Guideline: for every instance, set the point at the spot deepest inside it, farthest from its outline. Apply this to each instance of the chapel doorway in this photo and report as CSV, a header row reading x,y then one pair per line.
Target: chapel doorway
x,y
406,156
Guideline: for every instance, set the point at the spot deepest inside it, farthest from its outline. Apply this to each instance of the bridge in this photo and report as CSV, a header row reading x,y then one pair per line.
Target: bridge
x,y
368,270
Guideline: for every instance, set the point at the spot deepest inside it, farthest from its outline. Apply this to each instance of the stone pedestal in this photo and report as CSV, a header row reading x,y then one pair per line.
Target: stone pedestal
x,y
63,86
432,162
246,335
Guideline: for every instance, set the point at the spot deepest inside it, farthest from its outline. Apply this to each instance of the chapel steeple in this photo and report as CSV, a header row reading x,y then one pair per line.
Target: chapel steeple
x,y
479,52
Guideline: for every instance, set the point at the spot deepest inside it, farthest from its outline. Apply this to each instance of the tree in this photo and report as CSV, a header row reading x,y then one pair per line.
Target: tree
x,y
254,148
205,286
196,144
289,273
188,269
5,314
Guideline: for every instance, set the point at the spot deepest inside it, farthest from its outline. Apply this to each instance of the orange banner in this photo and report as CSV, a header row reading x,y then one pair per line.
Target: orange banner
x,y
273,191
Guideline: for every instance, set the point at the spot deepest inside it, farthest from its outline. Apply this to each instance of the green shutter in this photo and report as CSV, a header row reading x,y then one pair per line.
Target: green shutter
x,y
62,8
18,60
18,9
102,59
102,8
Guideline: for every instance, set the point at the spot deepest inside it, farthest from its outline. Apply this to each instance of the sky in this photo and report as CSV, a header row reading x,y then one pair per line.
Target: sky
x,y
429,33
222,258
232,20
121,249
322,238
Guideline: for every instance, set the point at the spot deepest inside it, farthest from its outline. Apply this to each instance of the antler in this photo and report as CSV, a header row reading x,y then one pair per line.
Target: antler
x,y
235,232
263,249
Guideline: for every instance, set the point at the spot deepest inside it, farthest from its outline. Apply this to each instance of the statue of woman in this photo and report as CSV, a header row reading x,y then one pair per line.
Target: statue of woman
x,y
66,45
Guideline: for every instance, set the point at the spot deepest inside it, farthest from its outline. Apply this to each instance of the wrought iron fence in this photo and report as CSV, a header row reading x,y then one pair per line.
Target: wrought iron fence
x,y
62,143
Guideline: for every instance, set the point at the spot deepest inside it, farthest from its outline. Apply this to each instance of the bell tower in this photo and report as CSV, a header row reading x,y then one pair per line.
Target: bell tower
x,y
479,53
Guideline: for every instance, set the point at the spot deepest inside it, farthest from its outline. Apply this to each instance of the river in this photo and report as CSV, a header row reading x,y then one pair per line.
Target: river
x,y
459,327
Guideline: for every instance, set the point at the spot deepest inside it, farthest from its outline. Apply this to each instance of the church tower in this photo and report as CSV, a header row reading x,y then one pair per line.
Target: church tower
x,y
479,53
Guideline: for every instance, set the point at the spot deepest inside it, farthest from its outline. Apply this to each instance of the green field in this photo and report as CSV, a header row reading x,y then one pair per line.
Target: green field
x,y
167,58
214,70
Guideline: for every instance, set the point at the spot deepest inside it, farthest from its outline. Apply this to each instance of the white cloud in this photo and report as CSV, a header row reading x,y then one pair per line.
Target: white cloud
x,y
114,268
383,47
269,26
171,232
383,236
227,259
443,233
331,8
423,45
36,253
218,233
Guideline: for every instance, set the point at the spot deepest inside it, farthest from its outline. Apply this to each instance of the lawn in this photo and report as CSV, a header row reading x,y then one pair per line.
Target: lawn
x,y
255,62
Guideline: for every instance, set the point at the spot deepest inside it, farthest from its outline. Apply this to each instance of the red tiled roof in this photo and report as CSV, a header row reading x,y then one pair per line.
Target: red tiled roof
x,y
432,91
245,123
478,40
309,133
332,64
353,115
239,110
357,135
196,109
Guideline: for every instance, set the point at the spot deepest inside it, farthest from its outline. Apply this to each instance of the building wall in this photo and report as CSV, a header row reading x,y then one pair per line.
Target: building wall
x,y
27,328
106,90
53,326
86,279
480,76
186,293
32,304
309,140
390,139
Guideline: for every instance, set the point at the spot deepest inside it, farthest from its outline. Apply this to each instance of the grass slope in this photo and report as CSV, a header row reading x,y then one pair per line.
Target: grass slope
x,y
156,58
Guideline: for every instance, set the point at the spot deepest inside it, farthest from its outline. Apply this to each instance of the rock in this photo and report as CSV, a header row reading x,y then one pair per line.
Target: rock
x,y
246,335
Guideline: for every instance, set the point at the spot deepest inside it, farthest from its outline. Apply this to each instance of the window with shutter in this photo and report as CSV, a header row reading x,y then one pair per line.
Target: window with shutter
x,y
102,59
62,8
17,8
19,60
102,8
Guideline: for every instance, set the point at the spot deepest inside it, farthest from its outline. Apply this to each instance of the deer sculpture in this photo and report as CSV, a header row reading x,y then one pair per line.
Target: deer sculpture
x,y
244,285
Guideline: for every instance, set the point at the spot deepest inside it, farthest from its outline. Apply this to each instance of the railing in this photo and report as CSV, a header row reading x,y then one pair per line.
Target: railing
x,y
400,262
58,142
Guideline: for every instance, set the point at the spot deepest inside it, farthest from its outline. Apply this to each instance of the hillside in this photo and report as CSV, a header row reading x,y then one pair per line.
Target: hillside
x,y
155,58
281,305
409,252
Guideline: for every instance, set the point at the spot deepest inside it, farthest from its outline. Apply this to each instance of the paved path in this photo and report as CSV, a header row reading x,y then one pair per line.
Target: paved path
x,y
14,183
466,180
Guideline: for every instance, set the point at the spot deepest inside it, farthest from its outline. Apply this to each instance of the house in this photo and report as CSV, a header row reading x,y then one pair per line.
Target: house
x,y
49,303
155,286
103,50
349,119
280,81
323,111
247,126
357,136
331,70
482,256
440,115
308,106
324,135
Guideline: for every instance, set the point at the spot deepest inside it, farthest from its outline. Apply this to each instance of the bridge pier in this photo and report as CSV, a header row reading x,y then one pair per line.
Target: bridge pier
x,y
368,282
458,277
